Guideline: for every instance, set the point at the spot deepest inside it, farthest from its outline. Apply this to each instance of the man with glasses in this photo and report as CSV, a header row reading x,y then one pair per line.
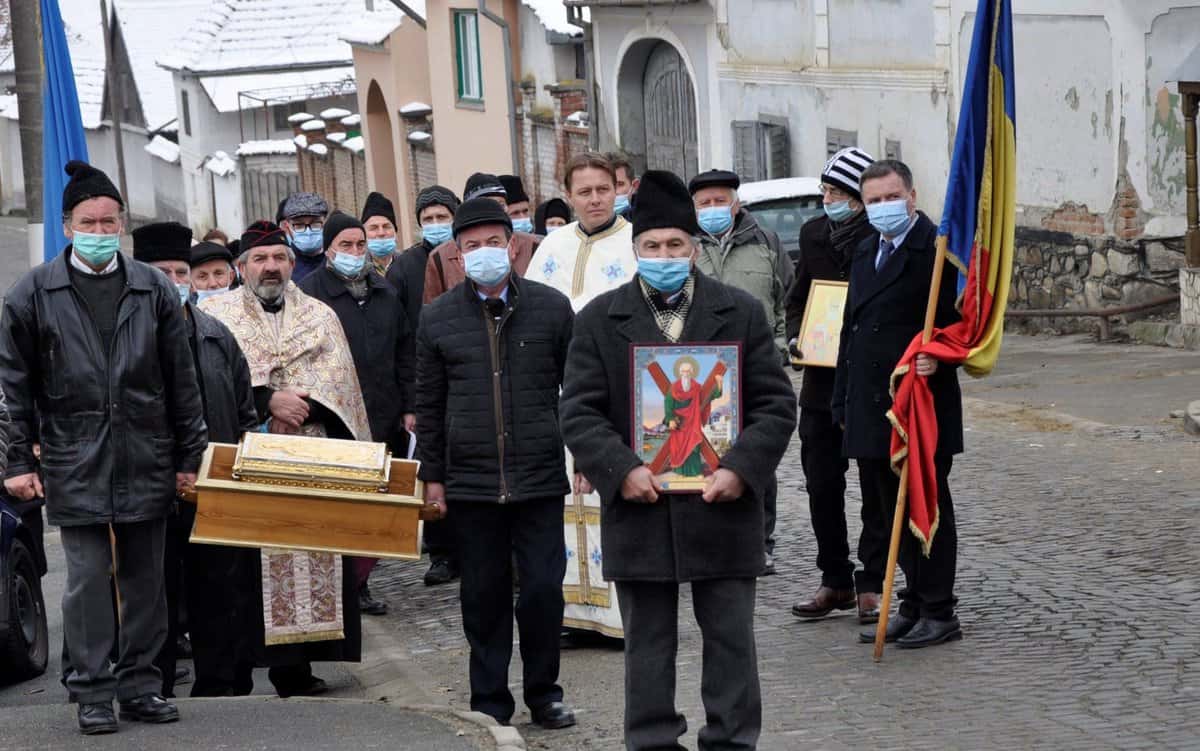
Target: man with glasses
x,y
303,219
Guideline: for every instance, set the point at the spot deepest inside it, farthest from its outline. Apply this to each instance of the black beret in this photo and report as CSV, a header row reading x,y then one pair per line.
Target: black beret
x,y
261,233
514,188
479,211
378,205
163,241
482,184
714,178
206,251
662,201
554,207
338,222
436,195
87,182
235,247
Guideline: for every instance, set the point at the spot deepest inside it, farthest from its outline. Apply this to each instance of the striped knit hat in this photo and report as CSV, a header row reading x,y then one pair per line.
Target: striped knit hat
x,y
845,168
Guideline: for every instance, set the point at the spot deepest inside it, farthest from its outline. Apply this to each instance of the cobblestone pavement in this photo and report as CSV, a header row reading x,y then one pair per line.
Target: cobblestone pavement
x,y
1079,602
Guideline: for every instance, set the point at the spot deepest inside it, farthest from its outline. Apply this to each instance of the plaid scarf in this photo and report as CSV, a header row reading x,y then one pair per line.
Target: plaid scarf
x,y
670,315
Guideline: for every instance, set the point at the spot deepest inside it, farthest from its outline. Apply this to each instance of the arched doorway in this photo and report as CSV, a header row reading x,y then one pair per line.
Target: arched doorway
x,y
381,152
657,103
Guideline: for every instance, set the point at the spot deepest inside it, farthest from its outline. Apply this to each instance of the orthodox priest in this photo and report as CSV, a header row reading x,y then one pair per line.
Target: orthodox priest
x,y
304,383
582,260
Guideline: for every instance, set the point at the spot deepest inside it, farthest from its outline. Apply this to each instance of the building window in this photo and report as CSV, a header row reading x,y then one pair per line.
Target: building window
x,y
187,113
836,140
284,111
761,150
466,48
891,150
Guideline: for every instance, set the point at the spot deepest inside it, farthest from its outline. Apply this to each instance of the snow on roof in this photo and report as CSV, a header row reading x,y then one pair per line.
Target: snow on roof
x,y
336,137
149,29
299,117
419,136
8,106
351,120
220,164
164,149
311,125
319,149
7,64
300,140
261,148
235,35
414,107
355,144
281,87
335,113
553,15
373,27
771,190
578,117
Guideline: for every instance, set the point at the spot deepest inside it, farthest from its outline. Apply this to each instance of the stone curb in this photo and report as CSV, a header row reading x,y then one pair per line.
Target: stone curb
x,y
388,673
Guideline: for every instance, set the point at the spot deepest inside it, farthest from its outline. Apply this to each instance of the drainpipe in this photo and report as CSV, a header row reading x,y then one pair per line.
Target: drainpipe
x,y
575,18
508,76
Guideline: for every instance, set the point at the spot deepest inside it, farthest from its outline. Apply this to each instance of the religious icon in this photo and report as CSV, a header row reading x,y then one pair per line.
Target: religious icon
x,y
821,327
686,410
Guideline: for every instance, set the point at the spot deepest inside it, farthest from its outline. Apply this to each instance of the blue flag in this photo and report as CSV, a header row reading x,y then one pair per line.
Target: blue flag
x,y
62,126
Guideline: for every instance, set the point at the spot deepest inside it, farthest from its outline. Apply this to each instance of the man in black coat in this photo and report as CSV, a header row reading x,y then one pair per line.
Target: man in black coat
x,y
490,359
218,583
653,542
435,212
95,365
381,343
885,309
827,246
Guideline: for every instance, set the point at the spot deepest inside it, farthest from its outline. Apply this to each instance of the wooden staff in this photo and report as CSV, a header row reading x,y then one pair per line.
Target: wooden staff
x,y
935,287
112,542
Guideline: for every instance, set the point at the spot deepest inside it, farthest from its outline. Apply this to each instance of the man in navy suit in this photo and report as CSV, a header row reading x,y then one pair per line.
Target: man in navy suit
x,y
885,308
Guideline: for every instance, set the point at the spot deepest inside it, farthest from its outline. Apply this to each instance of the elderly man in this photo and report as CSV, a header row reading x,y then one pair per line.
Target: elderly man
x,y
735,250
583,260
212,271
381,342
445,270
519,208
653,542
304,380
303,219
490,357
220,583
95,363
885,309
827,246
379,222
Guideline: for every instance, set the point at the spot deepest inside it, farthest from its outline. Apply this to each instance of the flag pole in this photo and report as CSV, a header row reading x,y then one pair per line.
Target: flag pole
x,y
898,518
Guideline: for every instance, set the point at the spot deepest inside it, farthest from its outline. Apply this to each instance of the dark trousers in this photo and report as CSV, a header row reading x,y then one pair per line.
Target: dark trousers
x,y
88,626
729,686
440,540
179,528
770,499
929,582
219,590
825,479
489,536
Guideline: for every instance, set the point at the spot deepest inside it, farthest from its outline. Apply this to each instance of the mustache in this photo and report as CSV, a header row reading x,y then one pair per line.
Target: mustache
x,y
270,276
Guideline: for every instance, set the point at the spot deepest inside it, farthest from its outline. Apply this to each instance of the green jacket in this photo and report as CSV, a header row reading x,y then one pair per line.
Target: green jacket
x,y
751,258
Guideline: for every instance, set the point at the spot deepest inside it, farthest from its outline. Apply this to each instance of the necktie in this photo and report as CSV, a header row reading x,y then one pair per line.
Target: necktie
x,y
885,252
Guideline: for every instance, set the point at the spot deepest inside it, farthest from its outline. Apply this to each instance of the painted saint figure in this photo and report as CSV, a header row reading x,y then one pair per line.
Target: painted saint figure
x,y
687,409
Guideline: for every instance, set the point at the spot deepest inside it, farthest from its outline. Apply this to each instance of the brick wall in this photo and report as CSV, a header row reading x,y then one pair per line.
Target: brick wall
x,y
548,142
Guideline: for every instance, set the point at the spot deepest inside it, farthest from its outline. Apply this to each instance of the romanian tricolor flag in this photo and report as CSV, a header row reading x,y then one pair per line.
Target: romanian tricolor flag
x,y
977,237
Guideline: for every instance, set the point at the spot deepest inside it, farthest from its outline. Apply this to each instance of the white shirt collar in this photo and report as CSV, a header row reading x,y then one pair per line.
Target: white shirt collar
x,y
82,267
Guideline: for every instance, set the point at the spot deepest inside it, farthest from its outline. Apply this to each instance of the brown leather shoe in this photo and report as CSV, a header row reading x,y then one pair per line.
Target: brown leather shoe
x,y
825,601
868,608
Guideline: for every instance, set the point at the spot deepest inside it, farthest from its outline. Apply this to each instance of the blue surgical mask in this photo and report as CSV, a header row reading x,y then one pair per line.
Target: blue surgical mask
x,y
185,291
96,250
308,241
381,247
839,212
522,225
666,275
487,266
347,265
204,294
716,219
436,234
890,217
621,205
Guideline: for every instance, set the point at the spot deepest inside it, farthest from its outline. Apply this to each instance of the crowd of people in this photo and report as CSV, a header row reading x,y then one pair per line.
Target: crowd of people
x,y
497,352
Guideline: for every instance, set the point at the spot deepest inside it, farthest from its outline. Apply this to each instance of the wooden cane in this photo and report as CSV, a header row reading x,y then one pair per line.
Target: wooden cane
x,y
898,518
112,543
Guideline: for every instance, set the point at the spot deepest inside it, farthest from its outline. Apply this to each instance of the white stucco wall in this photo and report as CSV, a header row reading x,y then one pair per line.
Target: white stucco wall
x,y
537,56
139,174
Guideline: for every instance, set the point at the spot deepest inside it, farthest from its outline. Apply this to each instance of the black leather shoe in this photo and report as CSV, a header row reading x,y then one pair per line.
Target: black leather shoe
x,y
898,626
97,719
149,708
315,687
368,605
929,632
554,716
440,572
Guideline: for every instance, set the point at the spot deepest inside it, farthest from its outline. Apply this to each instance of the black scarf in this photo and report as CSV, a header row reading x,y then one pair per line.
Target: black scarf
x,y
846,236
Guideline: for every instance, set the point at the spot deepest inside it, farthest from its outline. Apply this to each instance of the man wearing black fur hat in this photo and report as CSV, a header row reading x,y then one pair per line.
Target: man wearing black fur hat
x,y
219,582
652,542
95,362
518,208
